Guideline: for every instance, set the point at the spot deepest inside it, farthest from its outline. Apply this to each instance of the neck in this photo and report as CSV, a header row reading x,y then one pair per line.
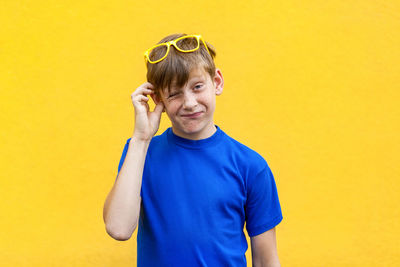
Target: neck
x,y
205,133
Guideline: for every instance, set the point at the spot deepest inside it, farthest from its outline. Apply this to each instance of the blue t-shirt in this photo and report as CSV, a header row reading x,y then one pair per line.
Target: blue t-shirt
x,y
197,196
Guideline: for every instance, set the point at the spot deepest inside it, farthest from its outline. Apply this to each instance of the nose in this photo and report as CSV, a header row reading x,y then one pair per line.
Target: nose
x,y
189,101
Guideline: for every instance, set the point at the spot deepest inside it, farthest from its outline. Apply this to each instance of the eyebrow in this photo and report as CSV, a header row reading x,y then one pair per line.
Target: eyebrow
x,y
193,79
197,78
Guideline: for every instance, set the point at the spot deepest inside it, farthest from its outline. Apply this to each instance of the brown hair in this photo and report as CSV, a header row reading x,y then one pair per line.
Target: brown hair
x,y
175,68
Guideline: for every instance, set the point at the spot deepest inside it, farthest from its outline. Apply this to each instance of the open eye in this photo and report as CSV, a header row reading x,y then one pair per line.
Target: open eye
x,y
198,86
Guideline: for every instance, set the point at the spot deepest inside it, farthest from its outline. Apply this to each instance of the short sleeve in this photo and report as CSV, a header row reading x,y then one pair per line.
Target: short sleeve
x,y
262,209
121,161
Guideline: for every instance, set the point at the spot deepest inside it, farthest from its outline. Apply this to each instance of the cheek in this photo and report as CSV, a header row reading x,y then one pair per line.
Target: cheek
x,y
172,107
205,98
209,99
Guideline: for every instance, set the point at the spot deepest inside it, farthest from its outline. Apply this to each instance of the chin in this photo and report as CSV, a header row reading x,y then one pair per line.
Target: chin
x,y
191,128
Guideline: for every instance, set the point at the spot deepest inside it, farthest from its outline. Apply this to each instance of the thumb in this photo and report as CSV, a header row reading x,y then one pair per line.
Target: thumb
x,y
159,108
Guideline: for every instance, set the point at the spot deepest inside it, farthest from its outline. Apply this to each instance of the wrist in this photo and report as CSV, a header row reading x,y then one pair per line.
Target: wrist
x,y
140,139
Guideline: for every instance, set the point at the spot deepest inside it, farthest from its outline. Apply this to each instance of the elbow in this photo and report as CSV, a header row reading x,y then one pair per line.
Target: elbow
x,y
119,235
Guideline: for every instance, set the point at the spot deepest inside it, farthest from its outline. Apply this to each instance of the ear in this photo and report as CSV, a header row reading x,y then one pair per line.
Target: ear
x,y
218,82
156,99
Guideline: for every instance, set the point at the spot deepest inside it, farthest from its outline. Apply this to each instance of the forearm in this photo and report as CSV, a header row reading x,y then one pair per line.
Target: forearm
x,y
268,263
266,258
122,206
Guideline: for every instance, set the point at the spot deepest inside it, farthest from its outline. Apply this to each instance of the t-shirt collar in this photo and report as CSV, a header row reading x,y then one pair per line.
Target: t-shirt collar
x,y
195,144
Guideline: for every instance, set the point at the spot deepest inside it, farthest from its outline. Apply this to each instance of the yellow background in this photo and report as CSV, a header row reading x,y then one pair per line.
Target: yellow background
x,y
313,86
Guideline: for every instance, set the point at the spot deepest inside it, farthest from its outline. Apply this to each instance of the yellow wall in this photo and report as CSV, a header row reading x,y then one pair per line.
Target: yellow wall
x,y
313,86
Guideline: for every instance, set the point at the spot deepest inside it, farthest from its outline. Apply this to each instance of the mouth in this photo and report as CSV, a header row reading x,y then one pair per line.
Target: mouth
x,y
192,115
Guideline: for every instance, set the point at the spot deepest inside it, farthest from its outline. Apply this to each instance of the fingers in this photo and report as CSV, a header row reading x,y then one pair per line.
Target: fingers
x,y
140,94
159,108
147,87
144,89
142,98
139,101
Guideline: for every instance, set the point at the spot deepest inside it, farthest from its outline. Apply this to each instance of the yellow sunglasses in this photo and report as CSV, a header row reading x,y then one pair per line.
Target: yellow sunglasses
x,y
186,44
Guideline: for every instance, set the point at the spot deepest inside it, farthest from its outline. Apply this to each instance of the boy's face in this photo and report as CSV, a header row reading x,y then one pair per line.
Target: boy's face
x,y
196,97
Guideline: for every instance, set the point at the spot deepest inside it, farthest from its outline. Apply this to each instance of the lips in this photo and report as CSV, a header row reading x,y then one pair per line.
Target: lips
x,y
192,115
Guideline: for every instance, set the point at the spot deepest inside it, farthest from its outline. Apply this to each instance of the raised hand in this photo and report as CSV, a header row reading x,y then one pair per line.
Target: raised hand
x,y
146,122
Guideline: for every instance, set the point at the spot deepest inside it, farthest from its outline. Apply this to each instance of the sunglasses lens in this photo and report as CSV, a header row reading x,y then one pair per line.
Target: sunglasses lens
x,y
188,43
158,52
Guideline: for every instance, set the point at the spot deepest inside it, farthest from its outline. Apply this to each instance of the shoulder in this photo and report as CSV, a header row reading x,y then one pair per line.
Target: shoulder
x,y
248,157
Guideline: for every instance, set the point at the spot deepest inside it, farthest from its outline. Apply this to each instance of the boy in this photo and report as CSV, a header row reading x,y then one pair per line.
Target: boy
x,y
192,188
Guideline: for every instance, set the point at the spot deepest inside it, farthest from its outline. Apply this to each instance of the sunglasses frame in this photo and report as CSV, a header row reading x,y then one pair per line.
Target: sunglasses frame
x,y
173,42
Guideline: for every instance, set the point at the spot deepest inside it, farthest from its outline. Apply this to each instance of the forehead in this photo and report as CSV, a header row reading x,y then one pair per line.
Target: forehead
x,y
198,72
